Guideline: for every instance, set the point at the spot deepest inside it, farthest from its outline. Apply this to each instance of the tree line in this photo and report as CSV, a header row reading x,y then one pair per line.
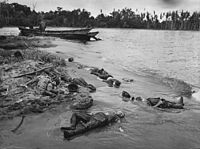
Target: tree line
x,y
21,15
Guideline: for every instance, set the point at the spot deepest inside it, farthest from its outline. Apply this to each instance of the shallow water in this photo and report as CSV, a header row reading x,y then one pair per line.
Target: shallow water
x,y
162,64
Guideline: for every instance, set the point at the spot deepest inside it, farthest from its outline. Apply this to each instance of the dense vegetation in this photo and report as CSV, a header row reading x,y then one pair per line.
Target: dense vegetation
x,y
20,15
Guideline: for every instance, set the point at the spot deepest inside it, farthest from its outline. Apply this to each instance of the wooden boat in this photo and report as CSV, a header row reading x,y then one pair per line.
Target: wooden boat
x,y
80,34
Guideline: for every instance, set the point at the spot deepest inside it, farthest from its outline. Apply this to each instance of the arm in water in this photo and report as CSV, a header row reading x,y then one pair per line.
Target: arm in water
x,y
158,104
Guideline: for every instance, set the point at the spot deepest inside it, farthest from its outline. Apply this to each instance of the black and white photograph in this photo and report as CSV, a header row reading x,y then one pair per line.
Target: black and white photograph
x,y
99,74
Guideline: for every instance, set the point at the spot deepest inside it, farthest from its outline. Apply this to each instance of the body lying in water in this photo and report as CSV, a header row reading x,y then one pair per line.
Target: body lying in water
x,y
87,120
112,82
106,77
156,102
83,122
101,73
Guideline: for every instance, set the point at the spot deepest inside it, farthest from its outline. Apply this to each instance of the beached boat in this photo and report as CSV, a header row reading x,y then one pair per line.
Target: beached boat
x,y
80,34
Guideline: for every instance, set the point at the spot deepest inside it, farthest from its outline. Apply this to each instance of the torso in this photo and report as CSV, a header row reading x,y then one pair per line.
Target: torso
x,y
100,116
152,101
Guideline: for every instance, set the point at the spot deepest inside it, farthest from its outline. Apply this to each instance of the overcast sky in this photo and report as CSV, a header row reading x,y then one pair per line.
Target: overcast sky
x,y
107,6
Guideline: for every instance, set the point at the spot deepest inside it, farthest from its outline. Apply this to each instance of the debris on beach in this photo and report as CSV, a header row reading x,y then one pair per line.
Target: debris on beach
x,y
27,88
19,125
71,59
82,101
21,42
36,81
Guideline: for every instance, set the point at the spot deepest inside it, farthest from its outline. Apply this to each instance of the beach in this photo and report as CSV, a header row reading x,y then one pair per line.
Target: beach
x,y
172,129
55,116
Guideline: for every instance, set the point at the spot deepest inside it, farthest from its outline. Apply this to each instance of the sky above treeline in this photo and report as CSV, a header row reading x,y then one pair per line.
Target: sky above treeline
x,y
107,6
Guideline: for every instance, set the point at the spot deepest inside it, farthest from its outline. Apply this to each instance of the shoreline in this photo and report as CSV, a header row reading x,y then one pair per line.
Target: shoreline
x,y
74,69
151,29
41,130
36,115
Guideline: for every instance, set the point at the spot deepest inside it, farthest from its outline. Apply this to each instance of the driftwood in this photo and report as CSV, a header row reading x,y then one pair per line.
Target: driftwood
x,y
30,73
21,122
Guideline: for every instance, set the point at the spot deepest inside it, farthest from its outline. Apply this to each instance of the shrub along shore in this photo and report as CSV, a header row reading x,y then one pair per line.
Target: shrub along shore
x,y
15,14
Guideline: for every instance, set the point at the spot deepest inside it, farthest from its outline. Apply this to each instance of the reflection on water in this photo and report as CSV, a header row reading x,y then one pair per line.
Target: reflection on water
x,y
162,64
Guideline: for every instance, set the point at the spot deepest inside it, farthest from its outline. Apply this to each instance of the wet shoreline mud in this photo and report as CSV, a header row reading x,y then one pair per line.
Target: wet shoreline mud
x,y
31,117
36,83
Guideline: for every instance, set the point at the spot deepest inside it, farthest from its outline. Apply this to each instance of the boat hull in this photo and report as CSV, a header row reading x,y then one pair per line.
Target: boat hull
x,y
82,34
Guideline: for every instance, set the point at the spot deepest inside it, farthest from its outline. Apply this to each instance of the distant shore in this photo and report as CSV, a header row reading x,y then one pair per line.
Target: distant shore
x,y
124,18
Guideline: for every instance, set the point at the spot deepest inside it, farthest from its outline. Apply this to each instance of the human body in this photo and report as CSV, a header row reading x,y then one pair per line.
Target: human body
x,y
81,122
162,103
113,82
156,102
101,73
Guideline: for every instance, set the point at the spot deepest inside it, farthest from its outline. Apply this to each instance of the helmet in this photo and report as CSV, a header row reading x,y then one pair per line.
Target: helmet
x,y
120,114
116,83
126,94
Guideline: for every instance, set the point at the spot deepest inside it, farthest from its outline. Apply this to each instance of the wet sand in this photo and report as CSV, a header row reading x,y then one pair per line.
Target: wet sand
x,y
42,131
144,127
